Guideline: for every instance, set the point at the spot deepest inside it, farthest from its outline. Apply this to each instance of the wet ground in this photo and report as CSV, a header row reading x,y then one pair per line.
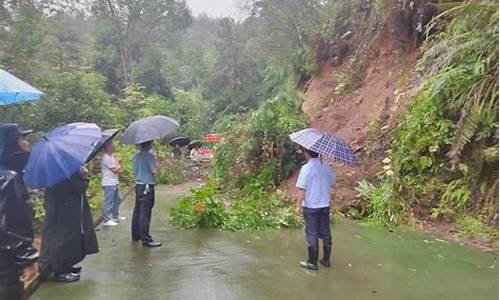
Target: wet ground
x,y
369,263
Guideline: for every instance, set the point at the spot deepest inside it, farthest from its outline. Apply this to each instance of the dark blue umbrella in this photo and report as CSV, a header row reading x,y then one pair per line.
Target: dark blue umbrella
x,y
60,154
14,90
320,142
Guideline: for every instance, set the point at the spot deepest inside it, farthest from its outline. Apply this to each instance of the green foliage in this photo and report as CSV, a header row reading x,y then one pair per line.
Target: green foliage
x,y
474,228
420,144
71,97
259,211
304,64
384,205
20,42
253,156
201,209
38,210
95,194
455,199
442,151
208,208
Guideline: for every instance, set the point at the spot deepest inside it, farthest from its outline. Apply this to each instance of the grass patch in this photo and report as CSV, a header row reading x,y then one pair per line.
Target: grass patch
x,y
474,228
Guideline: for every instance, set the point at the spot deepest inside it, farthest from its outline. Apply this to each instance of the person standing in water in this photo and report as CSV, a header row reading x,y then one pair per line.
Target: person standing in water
x,y
145,171
110,166
18,257
314,183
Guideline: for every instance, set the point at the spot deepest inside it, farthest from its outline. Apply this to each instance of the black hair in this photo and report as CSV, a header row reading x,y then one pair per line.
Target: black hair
x,y
145,145
312,153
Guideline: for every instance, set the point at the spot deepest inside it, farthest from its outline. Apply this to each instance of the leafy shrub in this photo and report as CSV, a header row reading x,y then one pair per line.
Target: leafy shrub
x,y
253,156
201,209
259,211
444,151
205,208
385,207
454,200
95,193
472,227
38,210
304,64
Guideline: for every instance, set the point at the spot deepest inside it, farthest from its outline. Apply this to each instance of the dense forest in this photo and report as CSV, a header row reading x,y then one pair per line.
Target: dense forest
x,y
111,62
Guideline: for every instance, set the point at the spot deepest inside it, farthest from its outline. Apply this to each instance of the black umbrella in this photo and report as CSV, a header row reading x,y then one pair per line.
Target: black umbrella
x,y
181,141
195,143
107,135
148,129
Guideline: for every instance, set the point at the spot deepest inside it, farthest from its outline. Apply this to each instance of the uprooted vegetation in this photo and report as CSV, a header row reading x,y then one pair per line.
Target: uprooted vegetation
x,y
252,158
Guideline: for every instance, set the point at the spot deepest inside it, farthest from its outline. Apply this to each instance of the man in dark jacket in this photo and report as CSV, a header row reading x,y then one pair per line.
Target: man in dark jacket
x,y
68,232
17,255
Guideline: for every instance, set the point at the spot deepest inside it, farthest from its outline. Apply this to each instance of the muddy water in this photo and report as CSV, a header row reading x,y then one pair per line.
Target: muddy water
x,y
369,263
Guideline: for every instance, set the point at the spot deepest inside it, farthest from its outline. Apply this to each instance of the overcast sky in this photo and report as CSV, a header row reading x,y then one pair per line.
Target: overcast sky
x,y
217,8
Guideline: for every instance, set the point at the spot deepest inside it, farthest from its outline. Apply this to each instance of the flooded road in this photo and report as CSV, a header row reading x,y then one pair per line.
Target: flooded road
x,y
369,263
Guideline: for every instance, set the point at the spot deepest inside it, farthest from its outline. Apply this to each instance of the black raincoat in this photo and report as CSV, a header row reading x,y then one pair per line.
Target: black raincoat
x,y
68,233
16,214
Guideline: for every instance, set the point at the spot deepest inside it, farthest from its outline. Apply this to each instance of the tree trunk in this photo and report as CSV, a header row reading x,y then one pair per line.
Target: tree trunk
x,y
123,56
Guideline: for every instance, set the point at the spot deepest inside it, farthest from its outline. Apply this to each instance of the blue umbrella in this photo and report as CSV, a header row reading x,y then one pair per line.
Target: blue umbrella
x,y
14,90
320,142
60,154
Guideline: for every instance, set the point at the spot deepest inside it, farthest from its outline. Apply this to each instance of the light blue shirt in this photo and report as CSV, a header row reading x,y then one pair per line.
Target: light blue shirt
x,y
143,164
316,178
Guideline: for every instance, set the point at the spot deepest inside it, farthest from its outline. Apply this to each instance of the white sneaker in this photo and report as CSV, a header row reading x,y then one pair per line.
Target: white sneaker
x,y
110,223
120,218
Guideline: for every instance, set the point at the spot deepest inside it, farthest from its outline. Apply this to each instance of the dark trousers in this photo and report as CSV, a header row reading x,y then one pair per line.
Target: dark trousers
x,y
317,221
141,218
10,286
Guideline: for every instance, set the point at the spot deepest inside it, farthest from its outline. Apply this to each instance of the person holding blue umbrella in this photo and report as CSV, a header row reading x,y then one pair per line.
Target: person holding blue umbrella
x,y
68,232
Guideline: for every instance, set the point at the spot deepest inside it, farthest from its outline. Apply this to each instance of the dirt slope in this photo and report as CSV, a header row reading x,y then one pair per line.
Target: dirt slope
x,y
355,114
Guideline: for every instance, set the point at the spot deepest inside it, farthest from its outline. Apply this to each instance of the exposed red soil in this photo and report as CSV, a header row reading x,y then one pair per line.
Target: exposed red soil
x,y
352,114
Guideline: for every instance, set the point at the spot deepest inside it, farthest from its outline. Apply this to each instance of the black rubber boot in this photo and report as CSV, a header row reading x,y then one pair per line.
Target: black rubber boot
x,y
312,261
325,261
66,277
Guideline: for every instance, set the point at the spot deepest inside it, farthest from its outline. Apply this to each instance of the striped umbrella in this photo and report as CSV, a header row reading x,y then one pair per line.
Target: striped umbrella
x,y
321,142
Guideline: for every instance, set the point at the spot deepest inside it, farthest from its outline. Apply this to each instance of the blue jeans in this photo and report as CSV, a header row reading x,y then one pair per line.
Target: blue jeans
x,y
111,203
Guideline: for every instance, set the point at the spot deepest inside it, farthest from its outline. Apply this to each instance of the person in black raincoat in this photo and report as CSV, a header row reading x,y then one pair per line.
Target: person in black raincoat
x,y
17,255
68,232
